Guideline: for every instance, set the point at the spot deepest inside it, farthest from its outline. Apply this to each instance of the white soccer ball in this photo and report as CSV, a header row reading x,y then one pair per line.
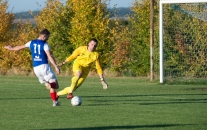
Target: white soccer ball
x,y
76,101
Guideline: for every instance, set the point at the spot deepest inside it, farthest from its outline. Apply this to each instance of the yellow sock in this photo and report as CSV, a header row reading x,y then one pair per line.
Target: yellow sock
x,y
64,91
73,84
69,89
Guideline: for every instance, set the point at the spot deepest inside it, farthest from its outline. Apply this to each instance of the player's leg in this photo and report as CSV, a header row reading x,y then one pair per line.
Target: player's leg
x,y
74,81
52,85
77,72
48,78
82,78
84,74
69,90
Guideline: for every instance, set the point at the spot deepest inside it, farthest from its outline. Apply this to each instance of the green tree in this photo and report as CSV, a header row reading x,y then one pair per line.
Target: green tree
x,y
91,19
74,24
185,41
56,17
140,37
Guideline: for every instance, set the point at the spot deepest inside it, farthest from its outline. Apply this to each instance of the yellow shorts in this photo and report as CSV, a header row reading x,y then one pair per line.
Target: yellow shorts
x,y
78,67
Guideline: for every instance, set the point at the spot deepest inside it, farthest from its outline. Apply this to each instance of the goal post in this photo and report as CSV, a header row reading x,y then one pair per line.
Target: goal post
x,y
186,40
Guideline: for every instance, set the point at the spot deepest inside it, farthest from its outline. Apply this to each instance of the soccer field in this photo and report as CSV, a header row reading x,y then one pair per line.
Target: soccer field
x,y
128,103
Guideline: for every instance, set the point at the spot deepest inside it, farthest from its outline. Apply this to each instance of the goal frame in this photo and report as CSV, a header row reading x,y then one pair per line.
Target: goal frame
x,y
161,33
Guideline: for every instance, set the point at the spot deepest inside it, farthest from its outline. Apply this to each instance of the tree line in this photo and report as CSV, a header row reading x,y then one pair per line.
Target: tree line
x,y
118,12
124,45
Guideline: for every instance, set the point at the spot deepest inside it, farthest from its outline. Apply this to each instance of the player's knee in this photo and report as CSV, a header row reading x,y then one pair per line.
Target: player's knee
x,y
47,85
78,73
54,85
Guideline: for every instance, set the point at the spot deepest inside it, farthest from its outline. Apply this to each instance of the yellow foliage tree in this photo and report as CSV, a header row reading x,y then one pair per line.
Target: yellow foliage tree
x,y
14,34
56,18
50,14
6,19
74,24
18,62
91,20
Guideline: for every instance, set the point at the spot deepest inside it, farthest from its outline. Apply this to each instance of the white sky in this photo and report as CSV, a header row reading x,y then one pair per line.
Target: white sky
x,y
25,5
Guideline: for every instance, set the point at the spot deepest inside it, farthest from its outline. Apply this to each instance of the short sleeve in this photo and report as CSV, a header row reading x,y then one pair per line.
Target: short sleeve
x,y
28,44
46,47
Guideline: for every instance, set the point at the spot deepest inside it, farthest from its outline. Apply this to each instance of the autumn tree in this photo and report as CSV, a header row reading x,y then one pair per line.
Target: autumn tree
x,y
6,20
74,23
56,17
121,47
19,62
140,36
184,40
91,20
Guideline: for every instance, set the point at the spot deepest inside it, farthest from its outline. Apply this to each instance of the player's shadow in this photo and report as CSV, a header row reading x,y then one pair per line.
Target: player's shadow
x,y
138,99
28,98
124,127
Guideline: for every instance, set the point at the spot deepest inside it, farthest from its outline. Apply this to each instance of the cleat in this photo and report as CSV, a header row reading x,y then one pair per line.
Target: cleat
x,y
105,85
70,96
55,103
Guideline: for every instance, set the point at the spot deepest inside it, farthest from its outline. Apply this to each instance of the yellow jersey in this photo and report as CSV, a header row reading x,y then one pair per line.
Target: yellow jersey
x,y
85,58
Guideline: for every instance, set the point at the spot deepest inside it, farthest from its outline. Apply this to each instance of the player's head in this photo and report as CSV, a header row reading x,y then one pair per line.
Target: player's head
x,y
93,43
44,35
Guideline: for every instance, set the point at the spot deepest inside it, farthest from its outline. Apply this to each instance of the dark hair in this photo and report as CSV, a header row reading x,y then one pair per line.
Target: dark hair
x,y
45,31
94,39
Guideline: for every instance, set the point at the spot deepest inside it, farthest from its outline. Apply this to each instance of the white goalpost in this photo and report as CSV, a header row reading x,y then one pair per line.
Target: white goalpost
x,y
183,38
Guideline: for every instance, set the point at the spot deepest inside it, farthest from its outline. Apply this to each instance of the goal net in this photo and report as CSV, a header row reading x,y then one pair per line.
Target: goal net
x,y
183,40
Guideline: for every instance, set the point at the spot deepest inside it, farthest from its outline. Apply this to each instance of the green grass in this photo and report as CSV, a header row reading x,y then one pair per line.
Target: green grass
x,y
129,103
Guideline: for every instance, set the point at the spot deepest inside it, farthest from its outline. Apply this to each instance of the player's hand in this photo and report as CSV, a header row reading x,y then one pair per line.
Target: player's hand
x,y
60,64
57,70
105,85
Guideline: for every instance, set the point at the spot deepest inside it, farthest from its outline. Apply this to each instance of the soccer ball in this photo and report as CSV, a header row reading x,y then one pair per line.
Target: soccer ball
x,y
76,101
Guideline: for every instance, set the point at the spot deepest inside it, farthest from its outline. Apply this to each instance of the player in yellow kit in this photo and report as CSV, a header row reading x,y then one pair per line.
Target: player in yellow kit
x,y
83,57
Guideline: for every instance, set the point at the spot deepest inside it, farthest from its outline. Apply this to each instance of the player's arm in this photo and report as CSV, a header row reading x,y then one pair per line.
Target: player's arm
x,y
103,82
16,48
52,61
100,72
73,56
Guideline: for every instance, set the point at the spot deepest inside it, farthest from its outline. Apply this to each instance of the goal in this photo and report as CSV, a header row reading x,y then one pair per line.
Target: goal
x,y
183,39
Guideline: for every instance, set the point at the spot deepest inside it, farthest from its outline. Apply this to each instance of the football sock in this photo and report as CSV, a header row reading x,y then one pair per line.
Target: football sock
x,y
80,81
56,96
63,92
69,89
53,96
73,84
